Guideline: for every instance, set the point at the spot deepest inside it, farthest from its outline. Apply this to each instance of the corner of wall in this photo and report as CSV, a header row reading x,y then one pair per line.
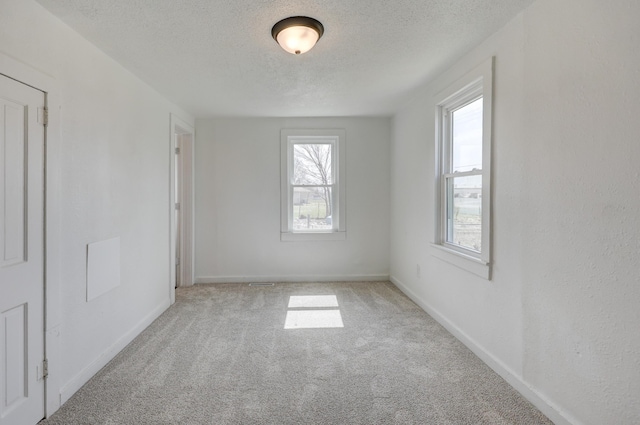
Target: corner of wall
x,y
541,402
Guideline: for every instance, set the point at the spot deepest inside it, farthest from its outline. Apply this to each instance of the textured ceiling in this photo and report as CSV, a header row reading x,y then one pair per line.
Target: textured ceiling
x,y
217,57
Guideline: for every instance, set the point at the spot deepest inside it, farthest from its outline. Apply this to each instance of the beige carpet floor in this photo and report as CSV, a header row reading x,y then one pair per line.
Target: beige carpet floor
x,y
307,353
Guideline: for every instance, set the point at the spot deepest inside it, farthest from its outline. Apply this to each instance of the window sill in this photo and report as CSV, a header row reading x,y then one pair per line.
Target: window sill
x,y
319,236
459,259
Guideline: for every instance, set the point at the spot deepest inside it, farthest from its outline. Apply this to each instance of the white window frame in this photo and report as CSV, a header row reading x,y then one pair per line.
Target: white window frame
x,y
291,137
475,84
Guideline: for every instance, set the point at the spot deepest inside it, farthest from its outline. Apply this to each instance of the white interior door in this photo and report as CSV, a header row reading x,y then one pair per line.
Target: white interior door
x,y
182,219
21,254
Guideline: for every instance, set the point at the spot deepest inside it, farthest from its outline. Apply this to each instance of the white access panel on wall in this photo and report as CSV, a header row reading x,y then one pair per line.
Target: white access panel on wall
x,y
21,254
103,267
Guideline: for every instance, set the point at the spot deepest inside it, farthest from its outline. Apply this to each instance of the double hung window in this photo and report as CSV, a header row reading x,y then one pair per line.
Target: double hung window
x,y
312,186
463,147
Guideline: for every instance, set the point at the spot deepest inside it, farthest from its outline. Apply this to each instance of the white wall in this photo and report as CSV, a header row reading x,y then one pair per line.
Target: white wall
x,y
113,181
560,318
238,203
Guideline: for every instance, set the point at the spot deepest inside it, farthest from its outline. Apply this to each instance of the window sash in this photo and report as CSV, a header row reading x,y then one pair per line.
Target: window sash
x,y
447,110
474,172
334,186
446,176
312,185
323,141
292,207
449,214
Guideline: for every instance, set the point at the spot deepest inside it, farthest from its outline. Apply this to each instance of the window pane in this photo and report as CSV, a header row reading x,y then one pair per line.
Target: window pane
x,y
467,137
312,164
312,208
464,211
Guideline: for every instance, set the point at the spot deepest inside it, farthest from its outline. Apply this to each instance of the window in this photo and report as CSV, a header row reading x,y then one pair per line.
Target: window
x,y
312,185
463,152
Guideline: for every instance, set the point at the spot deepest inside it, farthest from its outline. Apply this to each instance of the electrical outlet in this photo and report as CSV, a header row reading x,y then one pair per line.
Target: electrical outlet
x,y
418,270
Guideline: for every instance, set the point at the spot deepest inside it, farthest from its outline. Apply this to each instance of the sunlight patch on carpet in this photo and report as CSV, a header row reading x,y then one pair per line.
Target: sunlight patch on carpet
x,y
313,319
312,301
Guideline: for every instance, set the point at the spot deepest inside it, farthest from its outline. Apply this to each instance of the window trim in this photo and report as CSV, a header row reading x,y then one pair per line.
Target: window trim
x,y
290,137
476,83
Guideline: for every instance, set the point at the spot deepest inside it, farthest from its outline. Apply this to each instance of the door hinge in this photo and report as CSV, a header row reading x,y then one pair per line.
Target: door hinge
x,y
177,205
43,116
45,368
177,151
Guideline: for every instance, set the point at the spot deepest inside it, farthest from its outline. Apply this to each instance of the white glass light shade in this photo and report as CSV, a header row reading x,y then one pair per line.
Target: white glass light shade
x,y
298,39
297,34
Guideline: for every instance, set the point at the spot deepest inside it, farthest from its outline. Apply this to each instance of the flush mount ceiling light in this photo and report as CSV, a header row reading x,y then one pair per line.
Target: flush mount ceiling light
x,y
297,34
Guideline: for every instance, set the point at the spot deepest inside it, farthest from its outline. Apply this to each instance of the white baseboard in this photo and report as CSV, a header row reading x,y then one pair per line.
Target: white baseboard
x,y
550,409
301,278
70,388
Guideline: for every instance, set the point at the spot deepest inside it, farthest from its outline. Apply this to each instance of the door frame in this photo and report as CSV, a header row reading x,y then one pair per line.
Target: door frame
x,y
52,310
186,132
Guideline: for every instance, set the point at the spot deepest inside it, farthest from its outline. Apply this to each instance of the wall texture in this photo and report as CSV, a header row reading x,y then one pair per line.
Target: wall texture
x,y
113,167
559,319
238,203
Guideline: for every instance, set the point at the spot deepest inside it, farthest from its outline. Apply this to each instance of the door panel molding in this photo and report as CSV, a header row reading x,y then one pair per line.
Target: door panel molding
x,y
13,192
